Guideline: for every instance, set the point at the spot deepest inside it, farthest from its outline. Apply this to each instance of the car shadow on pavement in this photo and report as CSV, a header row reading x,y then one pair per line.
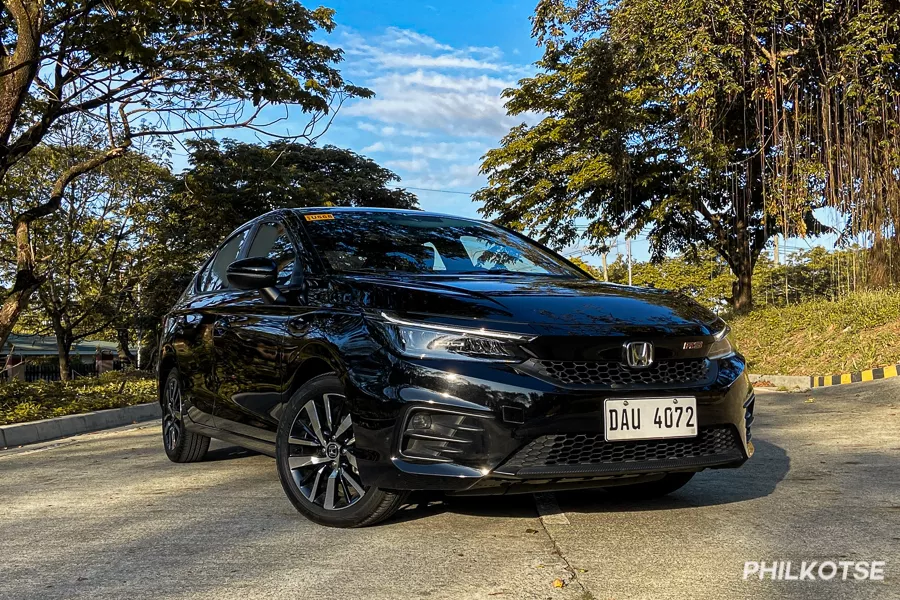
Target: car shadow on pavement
x,y
757,478
228,453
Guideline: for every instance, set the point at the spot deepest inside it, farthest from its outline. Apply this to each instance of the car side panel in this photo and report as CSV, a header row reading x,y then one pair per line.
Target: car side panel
x,y
247,340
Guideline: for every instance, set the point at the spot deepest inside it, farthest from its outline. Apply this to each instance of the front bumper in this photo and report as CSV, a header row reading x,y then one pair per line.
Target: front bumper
x,y
494,428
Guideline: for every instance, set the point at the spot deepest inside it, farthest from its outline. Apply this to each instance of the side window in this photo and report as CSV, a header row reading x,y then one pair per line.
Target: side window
x,y
213,277
272,241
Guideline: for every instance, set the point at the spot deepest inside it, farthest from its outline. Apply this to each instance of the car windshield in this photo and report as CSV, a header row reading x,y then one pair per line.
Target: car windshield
x,y
422,244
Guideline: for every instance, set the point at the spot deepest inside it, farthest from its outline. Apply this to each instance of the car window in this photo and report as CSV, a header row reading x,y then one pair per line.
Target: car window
x,y
272,241
213,277
382,242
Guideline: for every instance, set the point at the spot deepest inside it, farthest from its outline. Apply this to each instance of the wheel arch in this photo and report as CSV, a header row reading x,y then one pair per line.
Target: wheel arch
x,y
317,360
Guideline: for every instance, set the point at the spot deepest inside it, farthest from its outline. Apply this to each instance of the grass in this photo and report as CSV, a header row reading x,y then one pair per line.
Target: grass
x,y
21,402
860,331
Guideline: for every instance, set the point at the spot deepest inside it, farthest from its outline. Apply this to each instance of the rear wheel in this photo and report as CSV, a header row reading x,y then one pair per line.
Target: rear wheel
x,y
181,445
316,456
651,489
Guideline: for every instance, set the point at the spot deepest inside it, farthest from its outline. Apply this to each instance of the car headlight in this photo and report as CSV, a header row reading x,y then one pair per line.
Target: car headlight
x,y
423,340
721,346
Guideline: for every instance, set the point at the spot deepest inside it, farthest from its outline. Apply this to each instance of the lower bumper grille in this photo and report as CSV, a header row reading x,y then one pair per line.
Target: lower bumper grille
x,y
591,453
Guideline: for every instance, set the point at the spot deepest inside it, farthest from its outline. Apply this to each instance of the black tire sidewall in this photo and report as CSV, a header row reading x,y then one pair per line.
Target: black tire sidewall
x,y
352,516
191,447
177,452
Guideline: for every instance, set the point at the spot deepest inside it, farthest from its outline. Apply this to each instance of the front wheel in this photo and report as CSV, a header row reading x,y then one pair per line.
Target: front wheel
x,y
316,455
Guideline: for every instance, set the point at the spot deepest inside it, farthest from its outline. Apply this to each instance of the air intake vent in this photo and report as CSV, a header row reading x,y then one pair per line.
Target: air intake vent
x,y
441,436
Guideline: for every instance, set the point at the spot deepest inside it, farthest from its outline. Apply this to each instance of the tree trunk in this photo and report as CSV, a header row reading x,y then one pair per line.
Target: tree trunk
x,y
26,284
742,287
124,351
64,348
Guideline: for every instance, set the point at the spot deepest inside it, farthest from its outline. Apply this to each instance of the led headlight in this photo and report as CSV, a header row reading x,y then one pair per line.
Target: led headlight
x,y
423,340
721,346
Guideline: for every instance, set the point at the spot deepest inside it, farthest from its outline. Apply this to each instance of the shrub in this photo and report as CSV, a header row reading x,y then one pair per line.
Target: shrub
x,y
21,401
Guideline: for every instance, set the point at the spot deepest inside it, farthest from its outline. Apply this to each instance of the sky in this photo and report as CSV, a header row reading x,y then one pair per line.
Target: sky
x,y
438,70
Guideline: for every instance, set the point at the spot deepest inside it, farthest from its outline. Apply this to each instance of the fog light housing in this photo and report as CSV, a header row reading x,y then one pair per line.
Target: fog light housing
x,y
420,421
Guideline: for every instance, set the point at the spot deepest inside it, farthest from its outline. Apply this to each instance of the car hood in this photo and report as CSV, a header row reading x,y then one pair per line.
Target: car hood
x,y
544,305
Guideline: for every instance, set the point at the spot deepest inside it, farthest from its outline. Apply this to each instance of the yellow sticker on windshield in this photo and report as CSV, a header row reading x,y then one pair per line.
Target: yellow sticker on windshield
x,y
322,217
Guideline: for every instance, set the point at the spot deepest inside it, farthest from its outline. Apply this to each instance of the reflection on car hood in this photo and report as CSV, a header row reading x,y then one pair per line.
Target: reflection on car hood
x,y
545,305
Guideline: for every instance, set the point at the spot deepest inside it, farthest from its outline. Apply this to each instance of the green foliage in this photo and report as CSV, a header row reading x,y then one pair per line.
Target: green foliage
x,y
231,182
705,278
21,401
821,337
810,274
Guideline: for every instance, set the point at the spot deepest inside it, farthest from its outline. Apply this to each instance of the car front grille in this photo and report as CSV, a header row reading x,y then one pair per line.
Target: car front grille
x,y
569,453
616,374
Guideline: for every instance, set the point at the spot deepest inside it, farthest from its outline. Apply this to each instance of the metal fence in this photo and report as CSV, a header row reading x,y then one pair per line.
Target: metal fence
x,y
49,371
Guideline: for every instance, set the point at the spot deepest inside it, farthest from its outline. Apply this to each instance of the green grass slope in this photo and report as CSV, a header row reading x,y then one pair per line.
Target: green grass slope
x,y
857,332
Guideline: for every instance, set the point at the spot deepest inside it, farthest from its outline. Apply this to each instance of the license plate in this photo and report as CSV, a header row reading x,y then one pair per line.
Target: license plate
x,y
649,418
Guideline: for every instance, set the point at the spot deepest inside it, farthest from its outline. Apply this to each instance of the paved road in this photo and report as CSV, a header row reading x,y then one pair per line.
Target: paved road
x,y
107,516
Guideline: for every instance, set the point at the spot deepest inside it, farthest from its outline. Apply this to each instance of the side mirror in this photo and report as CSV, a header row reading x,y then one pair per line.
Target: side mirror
x,y
255,273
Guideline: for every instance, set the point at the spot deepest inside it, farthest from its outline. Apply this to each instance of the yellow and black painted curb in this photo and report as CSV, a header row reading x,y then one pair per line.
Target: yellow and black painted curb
x,y
855,377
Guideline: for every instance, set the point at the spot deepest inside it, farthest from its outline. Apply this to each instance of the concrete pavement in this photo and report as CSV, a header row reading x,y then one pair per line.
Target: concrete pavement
x,y
106,515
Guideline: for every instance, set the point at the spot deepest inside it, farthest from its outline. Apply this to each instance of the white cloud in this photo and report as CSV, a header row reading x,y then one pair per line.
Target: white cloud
x,y
440,81
414,165
390,52
407,37
462,114
391,131
437,109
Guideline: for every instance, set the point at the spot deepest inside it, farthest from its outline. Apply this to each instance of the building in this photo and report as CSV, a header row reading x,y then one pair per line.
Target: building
x,y
31,357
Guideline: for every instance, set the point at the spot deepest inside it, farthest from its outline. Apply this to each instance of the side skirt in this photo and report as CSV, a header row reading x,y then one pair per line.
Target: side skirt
x,y
249,443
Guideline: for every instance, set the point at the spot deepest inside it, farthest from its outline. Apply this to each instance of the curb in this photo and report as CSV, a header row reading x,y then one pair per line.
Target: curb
x,y
20,434
855,377
793,382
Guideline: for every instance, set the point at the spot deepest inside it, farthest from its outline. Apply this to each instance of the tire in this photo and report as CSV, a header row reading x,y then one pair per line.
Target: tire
x,y
650,489
181,445
314,451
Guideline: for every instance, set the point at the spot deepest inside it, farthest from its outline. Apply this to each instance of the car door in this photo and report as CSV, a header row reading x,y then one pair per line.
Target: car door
x,y
248,337
195,320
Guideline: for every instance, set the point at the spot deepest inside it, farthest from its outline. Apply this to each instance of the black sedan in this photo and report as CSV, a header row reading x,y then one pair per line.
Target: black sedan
x,y
373,352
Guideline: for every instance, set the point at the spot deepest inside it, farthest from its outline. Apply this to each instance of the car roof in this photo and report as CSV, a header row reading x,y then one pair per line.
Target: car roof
x,y
367,209
280,212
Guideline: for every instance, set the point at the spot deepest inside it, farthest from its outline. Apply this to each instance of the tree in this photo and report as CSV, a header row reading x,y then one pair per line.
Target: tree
x,y
89,256
230,183
142,69
648,128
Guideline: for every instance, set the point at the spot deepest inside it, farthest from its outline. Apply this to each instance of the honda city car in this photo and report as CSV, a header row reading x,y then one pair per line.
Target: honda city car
x,y
374,352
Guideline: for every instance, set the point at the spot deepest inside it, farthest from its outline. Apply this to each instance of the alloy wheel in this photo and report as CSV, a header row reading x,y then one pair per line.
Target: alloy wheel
x,y
321,456
172,414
